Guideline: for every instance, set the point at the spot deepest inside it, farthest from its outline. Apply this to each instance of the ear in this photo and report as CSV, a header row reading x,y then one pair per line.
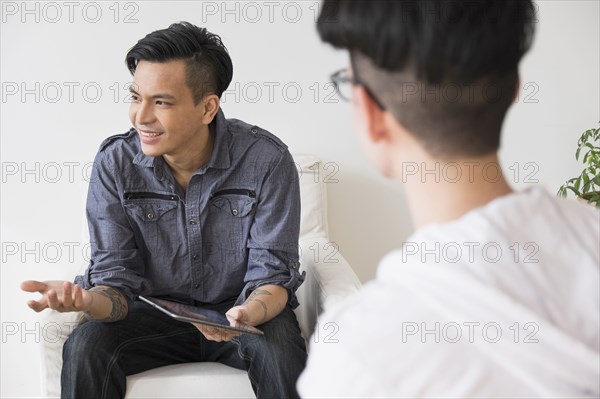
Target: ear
x,y
373,116
209,106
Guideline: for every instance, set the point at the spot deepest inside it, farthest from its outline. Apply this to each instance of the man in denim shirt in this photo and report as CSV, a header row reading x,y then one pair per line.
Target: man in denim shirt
x,y
188,206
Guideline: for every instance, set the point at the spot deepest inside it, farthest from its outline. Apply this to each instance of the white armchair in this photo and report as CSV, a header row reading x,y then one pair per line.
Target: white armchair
x,y
329,279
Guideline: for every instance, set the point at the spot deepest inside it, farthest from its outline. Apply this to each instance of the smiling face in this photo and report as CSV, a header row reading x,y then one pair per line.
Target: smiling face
x,y
163,111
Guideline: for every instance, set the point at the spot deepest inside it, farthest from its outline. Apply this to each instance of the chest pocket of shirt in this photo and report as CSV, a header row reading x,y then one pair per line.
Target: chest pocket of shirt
x,y
229,219
150,212
156,220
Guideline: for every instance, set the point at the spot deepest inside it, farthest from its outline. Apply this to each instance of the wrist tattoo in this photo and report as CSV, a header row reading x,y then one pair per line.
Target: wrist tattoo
x,y
118,301
264,308
254,298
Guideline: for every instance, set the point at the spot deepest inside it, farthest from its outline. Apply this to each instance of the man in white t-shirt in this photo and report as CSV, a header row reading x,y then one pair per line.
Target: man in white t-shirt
x,y
497,293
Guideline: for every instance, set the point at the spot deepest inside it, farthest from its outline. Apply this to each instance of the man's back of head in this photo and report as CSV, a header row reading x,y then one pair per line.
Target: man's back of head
x,y
446,70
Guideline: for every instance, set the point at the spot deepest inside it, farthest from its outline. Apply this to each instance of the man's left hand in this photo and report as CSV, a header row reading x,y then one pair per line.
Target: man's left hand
x,y
235,315
262,305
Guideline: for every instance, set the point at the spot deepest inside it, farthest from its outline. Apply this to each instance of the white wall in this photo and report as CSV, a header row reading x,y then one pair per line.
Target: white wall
x,y
41,210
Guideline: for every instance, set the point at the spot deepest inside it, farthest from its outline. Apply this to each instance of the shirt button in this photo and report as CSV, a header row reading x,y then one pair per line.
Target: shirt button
x,y
195,257
235,212
196,285
192,221
254,130
150,215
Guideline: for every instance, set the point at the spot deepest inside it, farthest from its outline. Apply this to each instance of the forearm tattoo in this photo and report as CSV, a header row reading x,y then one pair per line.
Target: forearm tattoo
x,y
254,298
118,301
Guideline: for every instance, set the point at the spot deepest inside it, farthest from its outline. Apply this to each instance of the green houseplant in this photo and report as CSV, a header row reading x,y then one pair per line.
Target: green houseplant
x,y
587,185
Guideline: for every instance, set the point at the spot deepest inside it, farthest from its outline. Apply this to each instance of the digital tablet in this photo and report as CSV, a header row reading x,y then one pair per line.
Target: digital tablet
x,y
195,314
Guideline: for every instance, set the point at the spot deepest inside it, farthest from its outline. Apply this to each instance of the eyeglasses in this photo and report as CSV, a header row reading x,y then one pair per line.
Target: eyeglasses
x,y
343,82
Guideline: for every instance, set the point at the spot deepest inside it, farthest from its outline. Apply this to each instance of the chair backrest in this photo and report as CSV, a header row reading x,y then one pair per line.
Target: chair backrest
x,y
313,195
329,277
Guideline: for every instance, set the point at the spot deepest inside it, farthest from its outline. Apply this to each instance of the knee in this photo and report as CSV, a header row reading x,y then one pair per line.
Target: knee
x,y
87,339
281,337
284,329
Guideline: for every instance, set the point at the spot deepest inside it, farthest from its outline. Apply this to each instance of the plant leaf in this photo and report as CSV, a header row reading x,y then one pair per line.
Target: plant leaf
x,y
585,178
576,192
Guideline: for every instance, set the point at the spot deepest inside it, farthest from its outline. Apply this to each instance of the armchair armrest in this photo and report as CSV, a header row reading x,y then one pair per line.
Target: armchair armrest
x,y
329,280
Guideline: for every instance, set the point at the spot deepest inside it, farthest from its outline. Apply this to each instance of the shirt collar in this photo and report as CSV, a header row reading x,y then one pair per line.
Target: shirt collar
x,y
219,158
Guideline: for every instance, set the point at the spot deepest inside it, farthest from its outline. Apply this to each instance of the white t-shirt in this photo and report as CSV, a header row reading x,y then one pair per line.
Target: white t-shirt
x,y
502,302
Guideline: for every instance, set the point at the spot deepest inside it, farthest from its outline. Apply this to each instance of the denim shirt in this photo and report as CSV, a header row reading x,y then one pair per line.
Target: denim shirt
x,y
234,229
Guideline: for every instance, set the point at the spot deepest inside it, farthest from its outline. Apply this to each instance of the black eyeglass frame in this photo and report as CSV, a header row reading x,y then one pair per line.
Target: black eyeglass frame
x,y
340,77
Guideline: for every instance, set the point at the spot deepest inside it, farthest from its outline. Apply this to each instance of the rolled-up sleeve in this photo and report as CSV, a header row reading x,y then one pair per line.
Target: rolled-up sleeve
x,y
273,242
115,259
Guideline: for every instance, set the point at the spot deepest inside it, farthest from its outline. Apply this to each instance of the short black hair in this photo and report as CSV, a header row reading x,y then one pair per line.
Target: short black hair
x,y
208,66
433,63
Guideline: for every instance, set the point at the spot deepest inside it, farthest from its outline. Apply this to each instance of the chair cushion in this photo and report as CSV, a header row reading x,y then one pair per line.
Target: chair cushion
x,y
190,380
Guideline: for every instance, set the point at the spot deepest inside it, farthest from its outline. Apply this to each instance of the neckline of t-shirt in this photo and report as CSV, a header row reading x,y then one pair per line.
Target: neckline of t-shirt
x,y
498,202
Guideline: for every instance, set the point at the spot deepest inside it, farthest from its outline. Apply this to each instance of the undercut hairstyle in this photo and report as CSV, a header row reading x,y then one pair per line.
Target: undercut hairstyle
x,y
447,70
208,67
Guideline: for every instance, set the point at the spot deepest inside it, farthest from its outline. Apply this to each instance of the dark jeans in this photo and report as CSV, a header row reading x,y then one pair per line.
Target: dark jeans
x,y
98,356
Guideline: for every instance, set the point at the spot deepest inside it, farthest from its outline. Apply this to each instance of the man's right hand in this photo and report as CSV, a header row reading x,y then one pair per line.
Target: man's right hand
x,y
62,296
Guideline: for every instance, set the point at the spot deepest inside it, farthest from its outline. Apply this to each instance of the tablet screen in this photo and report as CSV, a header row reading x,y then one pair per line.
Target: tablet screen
x,y
195,314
